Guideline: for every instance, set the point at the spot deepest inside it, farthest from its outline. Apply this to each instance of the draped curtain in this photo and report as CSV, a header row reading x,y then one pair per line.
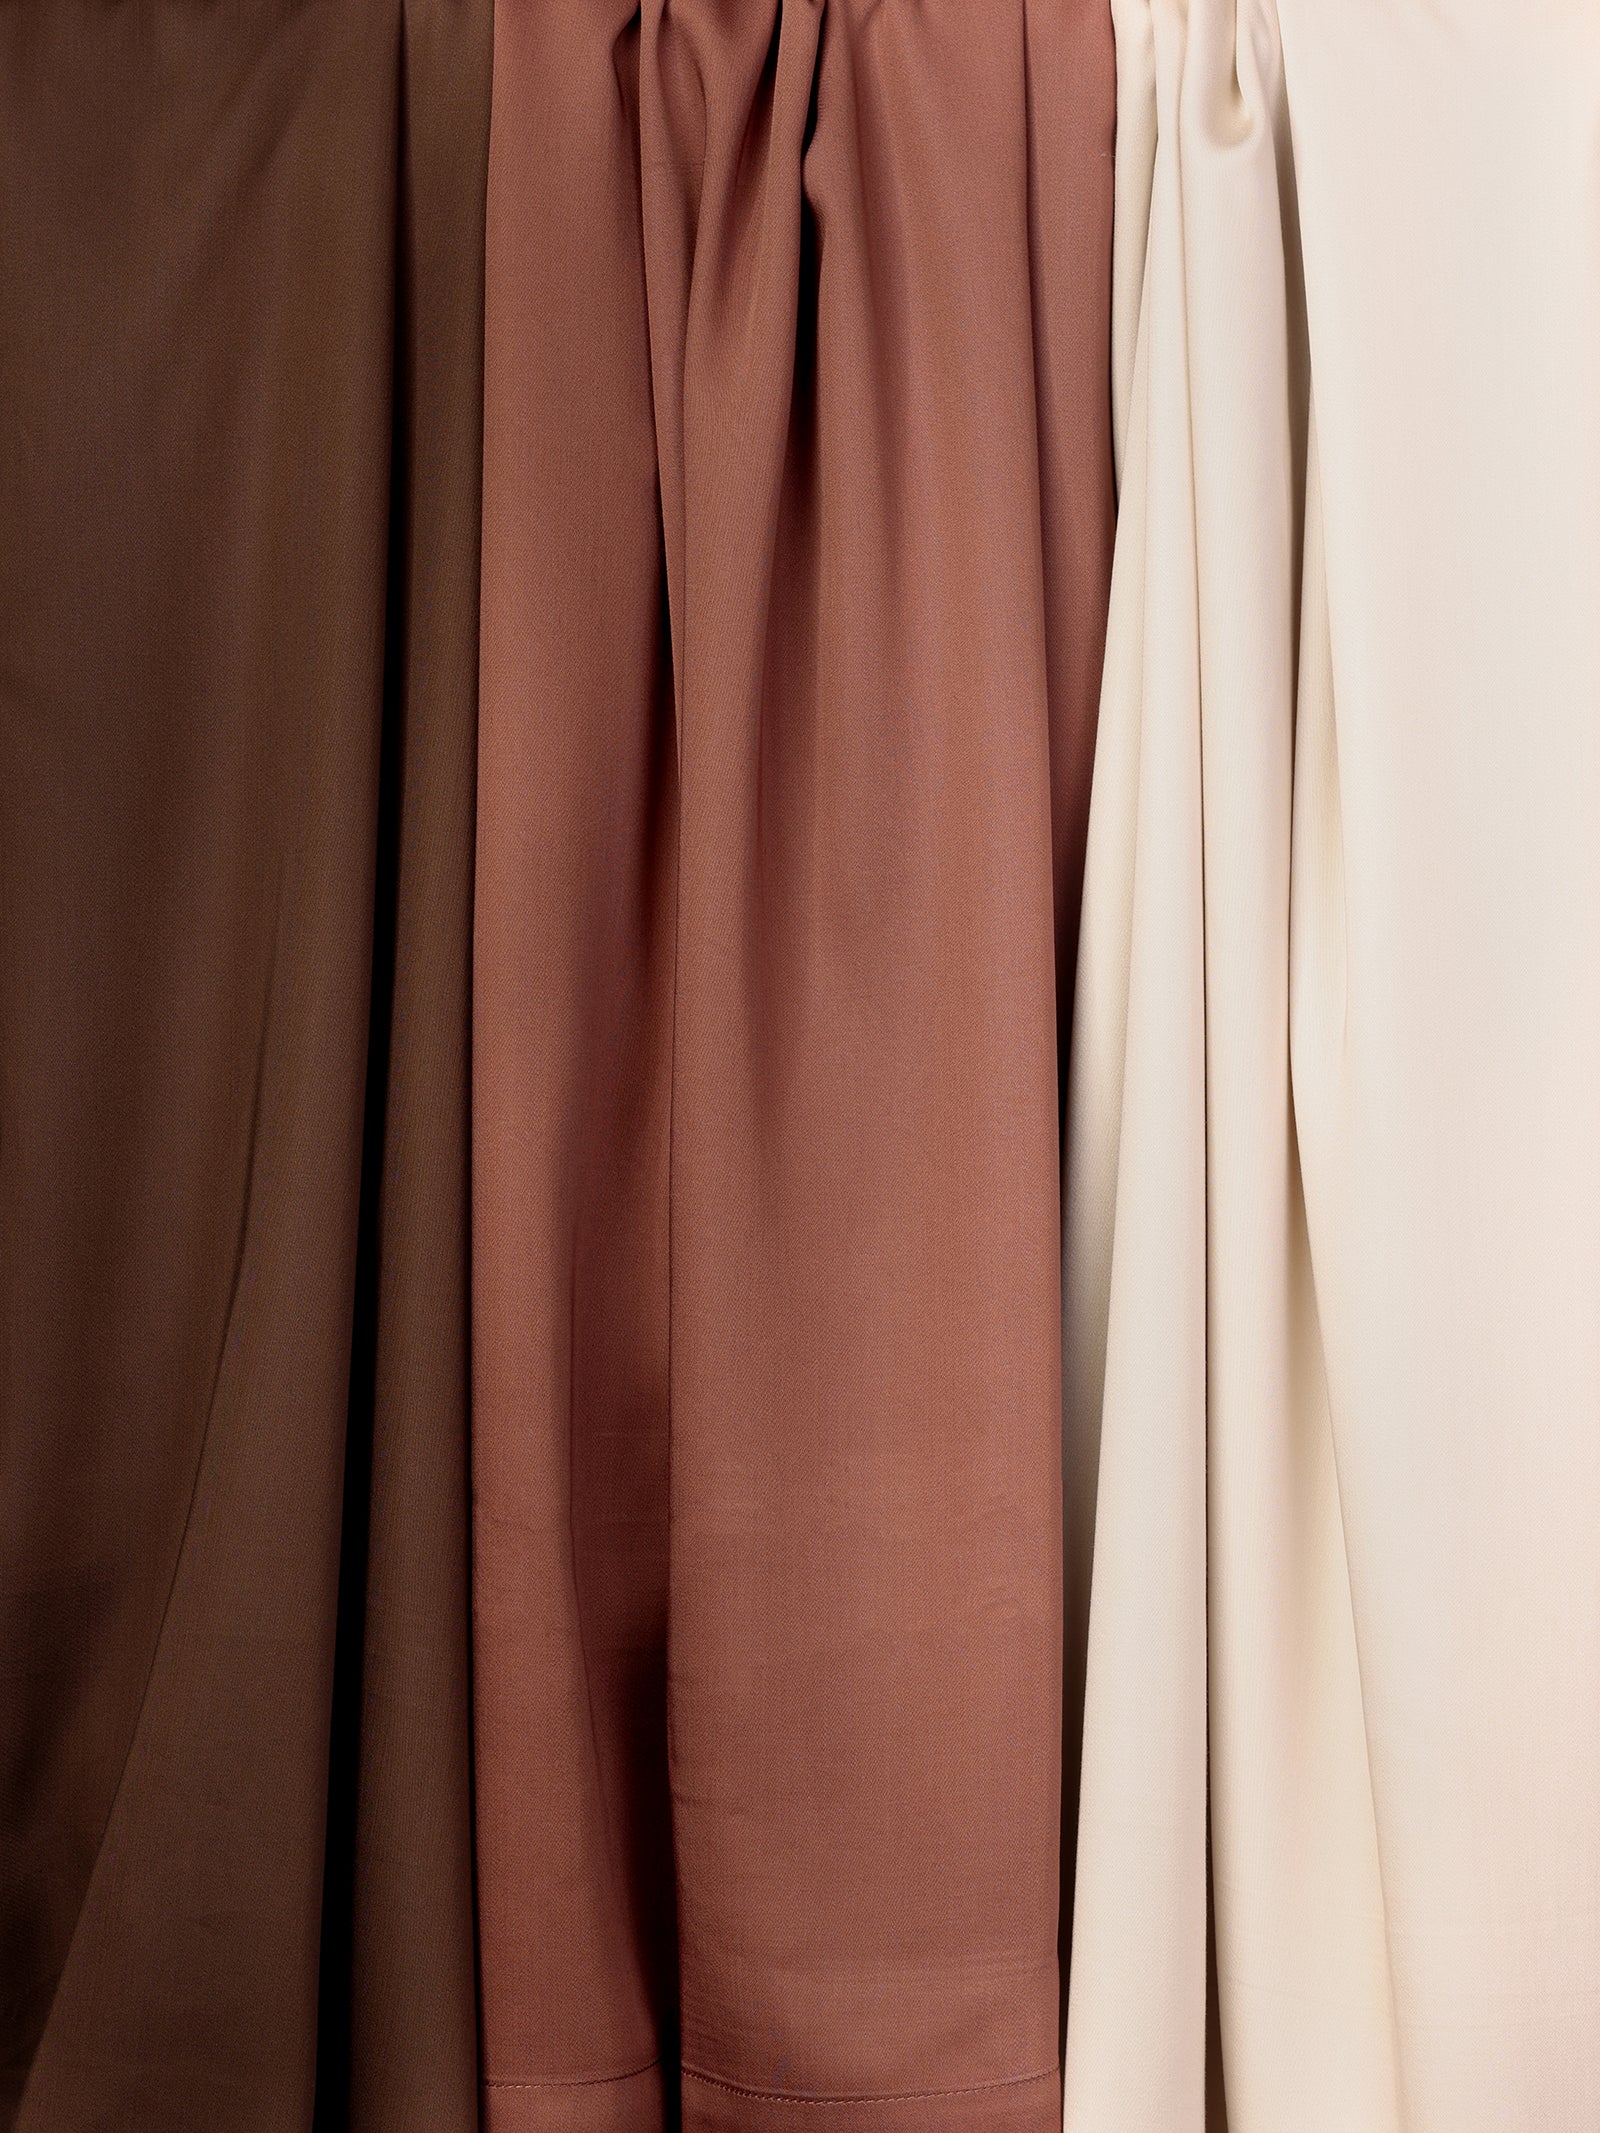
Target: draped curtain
x,y
1333,1222
799,1167
796,529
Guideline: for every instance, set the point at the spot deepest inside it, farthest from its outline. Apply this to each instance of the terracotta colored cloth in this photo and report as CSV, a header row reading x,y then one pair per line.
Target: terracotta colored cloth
x,y
796,535
240,257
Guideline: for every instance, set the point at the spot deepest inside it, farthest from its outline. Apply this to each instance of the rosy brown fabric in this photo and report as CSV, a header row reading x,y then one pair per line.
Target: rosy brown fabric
x,y
240,251
796,538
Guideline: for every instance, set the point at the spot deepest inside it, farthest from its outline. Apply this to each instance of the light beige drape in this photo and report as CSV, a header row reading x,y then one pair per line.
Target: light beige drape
x,y
1333,1226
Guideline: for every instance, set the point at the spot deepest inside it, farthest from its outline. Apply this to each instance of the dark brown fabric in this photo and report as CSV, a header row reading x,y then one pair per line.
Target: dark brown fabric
x,y
236,730
796,541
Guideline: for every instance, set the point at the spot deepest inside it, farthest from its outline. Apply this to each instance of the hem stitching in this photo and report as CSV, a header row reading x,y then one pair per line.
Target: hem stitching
x,y
971,2088
572,2081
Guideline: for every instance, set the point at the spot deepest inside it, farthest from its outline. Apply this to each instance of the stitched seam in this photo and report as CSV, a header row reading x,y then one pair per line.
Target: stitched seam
x,y
972,2088
574,2081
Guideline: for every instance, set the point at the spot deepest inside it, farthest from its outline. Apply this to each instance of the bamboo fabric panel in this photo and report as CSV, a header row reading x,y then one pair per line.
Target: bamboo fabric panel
x,y
796,539
240,348
1333,1234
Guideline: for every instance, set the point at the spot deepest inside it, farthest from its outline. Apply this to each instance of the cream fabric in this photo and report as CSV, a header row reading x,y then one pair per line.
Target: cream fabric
x,y
1333,1220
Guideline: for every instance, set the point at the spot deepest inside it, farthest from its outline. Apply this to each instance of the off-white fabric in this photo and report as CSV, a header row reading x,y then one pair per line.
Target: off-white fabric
x,y
1333,1157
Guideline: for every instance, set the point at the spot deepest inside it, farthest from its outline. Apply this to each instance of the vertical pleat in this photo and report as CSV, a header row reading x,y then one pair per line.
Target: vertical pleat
x,y
1135,1254
572,1020
1072,127
397,2039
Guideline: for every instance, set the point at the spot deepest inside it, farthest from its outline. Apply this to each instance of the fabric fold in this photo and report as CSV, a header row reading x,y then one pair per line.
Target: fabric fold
x,y
572,1030
398,2017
